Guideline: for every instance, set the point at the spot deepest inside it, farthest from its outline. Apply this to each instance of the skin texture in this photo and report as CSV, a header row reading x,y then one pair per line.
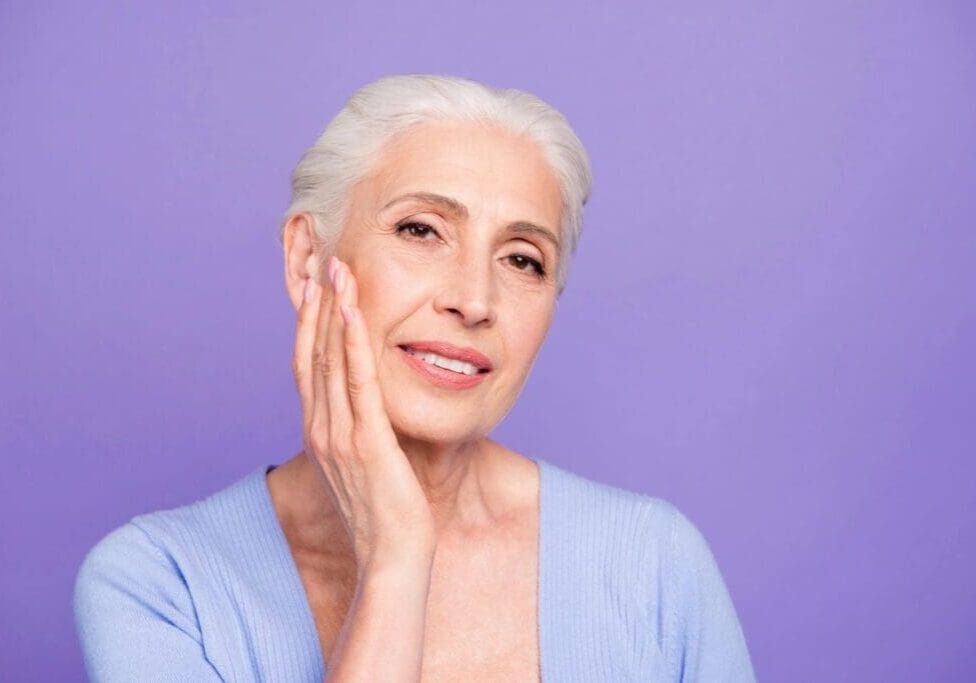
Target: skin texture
x,y
398,497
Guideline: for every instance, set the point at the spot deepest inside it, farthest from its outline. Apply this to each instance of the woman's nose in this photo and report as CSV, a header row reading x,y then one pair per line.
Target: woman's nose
x,y
467,292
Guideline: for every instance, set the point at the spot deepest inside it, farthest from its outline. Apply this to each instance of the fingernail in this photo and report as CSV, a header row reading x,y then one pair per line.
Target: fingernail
x,y
309,289
340,280
346,313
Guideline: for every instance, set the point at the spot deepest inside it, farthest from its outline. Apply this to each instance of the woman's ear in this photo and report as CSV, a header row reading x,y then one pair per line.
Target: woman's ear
x,y
301,258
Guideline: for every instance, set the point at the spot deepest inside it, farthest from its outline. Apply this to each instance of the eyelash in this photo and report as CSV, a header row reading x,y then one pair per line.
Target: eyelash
x,y
401,228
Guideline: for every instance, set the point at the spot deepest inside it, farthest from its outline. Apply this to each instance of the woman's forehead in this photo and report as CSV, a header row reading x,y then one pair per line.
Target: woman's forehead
x,y
470,164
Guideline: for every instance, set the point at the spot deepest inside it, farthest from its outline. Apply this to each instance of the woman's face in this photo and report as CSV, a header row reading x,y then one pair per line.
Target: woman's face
x,y
454,239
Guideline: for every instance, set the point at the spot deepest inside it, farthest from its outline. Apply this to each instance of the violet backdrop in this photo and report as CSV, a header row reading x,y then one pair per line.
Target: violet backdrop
x,y
770,321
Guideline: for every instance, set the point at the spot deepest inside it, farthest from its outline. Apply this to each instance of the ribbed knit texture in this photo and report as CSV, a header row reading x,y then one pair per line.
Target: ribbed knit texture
x,y
628,591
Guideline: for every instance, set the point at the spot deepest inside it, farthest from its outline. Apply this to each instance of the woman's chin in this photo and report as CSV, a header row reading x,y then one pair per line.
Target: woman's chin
x,y
433,426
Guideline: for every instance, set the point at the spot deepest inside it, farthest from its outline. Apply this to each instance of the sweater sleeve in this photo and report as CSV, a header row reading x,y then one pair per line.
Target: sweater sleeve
x,y
705,641
134,614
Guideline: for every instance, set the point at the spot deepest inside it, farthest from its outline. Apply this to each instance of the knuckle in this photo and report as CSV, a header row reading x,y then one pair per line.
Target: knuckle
x,y
360,437
342,448
304,314
325,363
318,439
359,383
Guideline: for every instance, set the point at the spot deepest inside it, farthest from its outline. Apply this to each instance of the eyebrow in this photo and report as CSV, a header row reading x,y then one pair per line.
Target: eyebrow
x,y
460,211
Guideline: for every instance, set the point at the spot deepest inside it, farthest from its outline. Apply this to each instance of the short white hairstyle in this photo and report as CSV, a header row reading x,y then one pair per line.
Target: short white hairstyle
x,y
350,145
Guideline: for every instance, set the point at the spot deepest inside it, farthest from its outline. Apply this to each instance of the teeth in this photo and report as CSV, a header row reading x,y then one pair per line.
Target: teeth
x,y
446,363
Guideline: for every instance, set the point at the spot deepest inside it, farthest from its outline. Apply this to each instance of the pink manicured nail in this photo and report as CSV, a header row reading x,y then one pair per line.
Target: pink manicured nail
x,y
346,313
340,279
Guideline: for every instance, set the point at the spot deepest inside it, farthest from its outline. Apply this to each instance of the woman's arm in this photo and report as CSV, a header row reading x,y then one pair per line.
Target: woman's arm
x,y
372,485
705,641
134,616
382,637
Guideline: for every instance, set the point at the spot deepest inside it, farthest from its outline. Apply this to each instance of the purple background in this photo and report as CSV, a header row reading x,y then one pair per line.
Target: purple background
x,y
770,322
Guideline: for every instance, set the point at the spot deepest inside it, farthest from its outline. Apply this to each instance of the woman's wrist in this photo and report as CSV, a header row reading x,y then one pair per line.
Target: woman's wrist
x,y
382,638
405,561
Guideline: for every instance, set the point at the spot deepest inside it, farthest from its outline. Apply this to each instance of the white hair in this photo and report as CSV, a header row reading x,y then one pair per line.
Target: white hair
x,y
349,146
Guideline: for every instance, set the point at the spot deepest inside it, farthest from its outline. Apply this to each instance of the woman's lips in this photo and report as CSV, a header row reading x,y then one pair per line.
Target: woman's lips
x,y
441,348
442,377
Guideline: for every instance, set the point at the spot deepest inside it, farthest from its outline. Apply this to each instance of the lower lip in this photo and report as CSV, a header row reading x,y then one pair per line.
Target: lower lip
x,y
442,377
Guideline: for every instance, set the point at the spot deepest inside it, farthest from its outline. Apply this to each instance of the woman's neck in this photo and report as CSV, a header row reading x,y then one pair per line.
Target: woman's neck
x,y
468,487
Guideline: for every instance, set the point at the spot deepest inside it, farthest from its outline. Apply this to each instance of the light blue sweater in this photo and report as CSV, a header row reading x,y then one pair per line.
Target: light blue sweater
x,y
628,591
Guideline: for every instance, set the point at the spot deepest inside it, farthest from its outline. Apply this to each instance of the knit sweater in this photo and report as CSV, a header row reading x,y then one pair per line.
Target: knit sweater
x,y
628,591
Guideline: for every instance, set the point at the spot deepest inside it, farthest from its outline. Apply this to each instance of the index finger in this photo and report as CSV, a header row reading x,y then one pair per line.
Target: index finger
x,y
305,326
322,364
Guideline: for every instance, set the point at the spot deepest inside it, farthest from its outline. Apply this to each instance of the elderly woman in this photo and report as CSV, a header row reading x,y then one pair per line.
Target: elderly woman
x,y
427,241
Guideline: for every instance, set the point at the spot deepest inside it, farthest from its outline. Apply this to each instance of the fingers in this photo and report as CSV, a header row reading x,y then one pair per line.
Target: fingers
x,y
343,393
317,426
340,415
365,397
305,327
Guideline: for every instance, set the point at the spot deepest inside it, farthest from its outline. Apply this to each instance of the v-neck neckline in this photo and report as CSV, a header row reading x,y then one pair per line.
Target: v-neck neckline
x,y
297,588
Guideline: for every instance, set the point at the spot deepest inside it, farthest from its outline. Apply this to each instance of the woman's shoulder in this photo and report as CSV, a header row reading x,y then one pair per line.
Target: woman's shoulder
x,y
240,504
590,502
143,592
640,539
155,551
617,549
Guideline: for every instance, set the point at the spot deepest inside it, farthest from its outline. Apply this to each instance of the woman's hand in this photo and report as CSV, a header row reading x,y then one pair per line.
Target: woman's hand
x,y
347,431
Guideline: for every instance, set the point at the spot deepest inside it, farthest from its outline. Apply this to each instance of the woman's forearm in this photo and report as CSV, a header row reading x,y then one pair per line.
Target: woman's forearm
x,y
382,638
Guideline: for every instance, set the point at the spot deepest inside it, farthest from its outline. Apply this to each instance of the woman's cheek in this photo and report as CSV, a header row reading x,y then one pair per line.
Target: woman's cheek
x,y
401,277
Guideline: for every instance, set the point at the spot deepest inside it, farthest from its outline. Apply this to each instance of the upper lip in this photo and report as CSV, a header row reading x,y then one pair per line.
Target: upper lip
x,y
466,353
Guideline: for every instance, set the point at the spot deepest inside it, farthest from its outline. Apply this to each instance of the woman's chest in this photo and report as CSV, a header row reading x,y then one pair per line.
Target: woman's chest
x,y
482,623
481,619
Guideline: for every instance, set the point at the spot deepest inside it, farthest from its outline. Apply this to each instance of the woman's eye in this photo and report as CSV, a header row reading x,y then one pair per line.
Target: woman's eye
x,y
425,233
523,262
416,229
